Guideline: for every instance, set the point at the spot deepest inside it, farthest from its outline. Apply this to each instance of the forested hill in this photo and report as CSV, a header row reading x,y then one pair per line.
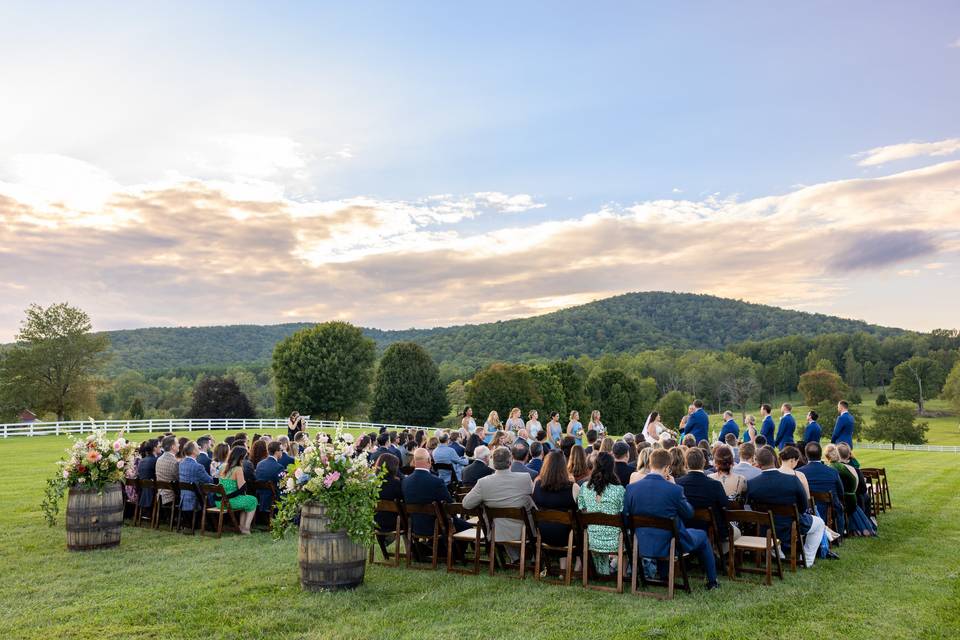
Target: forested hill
x,y
625,323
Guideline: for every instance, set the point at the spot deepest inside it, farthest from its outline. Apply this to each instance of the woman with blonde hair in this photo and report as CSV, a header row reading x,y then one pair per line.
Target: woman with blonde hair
x,y
500,439
750,429
514,421
577,465
678,468
574,428
533,424
491,426
643,465
596,425
606,445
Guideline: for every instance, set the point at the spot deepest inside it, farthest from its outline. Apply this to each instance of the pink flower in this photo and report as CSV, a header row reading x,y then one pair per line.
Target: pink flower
x,y
94,456
66,474
120,464
298,473
119,444
331,478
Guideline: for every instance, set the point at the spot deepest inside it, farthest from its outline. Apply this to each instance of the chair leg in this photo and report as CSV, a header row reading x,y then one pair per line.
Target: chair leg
x,y
635,560
523,554
671,571
620,564
769,567
569,572
586,557
536,558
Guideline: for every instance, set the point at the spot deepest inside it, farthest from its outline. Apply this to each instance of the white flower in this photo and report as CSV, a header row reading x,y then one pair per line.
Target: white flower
x,y
81,480
348,438
291,484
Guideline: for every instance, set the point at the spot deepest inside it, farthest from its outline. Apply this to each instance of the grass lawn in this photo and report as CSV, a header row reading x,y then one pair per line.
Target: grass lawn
x,y
157,584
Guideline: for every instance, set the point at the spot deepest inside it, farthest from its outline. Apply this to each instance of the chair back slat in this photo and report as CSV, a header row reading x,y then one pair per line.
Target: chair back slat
x,y
555,516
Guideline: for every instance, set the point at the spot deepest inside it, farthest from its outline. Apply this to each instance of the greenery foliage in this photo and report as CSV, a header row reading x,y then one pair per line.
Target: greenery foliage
x,y
917,379
500,387
822,386
896,423
672,407
951,388
220,398
407,388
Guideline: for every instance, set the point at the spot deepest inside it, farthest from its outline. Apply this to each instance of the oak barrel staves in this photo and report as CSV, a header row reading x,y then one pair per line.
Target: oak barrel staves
x,y
94,519
328,559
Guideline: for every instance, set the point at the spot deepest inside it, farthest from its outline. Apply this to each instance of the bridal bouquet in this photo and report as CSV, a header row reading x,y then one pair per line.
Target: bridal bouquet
x,y
342,480
92,463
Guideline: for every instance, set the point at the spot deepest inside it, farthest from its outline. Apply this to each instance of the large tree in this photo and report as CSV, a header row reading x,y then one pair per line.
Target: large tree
x,y
53,366
501,387
619,399
895,423
917,380
951,388
672,407
821,385
220,398
323,371
407,387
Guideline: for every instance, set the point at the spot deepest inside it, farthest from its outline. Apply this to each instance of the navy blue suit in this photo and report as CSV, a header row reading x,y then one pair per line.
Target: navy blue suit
x,y
698,425
785,433
812,432
730,426
824,478
843,430
767,429
654,496
422,487
705,493
773,487
286,460
268,470
204,459
147,470
190,470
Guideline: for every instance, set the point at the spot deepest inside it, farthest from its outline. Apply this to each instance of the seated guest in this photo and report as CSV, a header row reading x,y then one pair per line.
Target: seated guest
x,y
422,487
220,454
455,444
555,489
577,465
147,469
408,448
602,493
703,492
181,443
621,454
773,487
656,495
394,444
760,441
287,456
729,427
567,443
734,484
679,466
233,481
858,524
521,453
731,441
544,441
192,472
813,432
643,463
689,441
480,466
383,442
704,447
822,478
536,458
503,489
631,441
258,452
269,470
789,459
606,445
445,454
745,467
391,488
204,444
167,467
246,464
592,437
472,443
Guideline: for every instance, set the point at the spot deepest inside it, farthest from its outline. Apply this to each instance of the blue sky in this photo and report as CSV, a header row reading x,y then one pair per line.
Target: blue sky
x,y
438,129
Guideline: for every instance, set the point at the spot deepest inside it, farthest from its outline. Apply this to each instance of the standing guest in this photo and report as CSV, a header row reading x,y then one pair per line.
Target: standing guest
x,y
596,425
786,428
773,487
577,465
621,464
168,467
789,460
749,428
233,480
269,470
698,424
220,454
812,432
729,427
554,429
536,458
746,466
766,427
295,425
643,462
514,421
468,426
734,484
521,454
503,489
602,493
574,428
843,429
657,495
204,445
533,424
446,454
191,472
287,455
391,488
822,478
480,467
258,452
491,427
703,492
556,490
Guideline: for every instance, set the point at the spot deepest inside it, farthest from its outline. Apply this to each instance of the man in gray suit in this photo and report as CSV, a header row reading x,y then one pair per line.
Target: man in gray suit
x,y
168,467
503,489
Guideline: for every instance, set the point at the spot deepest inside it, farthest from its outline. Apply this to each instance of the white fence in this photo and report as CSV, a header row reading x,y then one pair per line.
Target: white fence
x,y
908,447
175,425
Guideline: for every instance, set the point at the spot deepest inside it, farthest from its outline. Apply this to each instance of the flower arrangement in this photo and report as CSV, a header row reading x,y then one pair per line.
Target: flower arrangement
x,y
346,484
94,463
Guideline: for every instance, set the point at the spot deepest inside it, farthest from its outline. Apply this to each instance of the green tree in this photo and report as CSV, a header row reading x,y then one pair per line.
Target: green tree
x,y
895,423
500,387
457,395
407,387
550,390
617,396
787,369
136,409
852,370
220,398
324,371
882,400
572,379
821,385
916,379
53,366
672,407
951,388
870,375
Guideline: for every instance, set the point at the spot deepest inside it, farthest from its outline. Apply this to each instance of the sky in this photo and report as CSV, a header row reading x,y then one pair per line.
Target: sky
x,y
424,164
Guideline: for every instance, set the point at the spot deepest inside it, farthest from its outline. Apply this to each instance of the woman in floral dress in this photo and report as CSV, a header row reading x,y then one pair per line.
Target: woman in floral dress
x,y
602,493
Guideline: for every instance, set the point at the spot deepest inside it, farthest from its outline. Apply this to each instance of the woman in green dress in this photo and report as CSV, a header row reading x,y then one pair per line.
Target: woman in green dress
x,y
602,493
232,481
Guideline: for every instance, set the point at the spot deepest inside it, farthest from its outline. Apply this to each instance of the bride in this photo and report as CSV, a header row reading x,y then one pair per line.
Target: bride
x,y
653,428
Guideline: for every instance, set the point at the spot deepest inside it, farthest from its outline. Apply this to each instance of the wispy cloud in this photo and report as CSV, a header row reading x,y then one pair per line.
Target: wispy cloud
x,y
955,44
903,151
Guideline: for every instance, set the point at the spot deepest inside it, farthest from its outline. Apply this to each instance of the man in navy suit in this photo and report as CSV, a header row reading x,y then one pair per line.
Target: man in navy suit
x,y
422,487
766,427
656,495
382,441
773,487
191,471
455,443
787,427
203,457
843,429
825,479
286,451
147,470
536,458
812,432
698,423
729,426
703,493
269,470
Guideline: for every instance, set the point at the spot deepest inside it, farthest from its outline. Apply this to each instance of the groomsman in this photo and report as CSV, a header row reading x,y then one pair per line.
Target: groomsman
x,y
729,426
812,432
843,429
787,427
766,427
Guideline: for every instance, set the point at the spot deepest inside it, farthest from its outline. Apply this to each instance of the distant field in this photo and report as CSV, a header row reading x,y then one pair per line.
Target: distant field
x,y
159,585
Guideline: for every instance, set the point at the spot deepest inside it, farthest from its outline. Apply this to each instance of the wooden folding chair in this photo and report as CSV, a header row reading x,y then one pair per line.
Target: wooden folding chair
x,y
399,533
712,530
766,544
130,506
198,507
584,520
262,485
215,493
826,498
461,491
879,498
138,515
430,509
453,483
787,511
553,516
492,514
885,485
475,535
159,505
674,557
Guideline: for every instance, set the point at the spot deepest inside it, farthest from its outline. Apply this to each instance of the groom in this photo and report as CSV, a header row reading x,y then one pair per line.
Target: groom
x,y
698,423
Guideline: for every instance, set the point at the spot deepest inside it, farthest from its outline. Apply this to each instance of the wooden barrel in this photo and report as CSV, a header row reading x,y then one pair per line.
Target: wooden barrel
x,y
94,519
328,559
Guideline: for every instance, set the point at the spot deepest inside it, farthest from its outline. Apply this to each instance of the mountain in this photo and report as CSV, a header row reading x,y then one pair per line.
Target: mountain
x,y
624,323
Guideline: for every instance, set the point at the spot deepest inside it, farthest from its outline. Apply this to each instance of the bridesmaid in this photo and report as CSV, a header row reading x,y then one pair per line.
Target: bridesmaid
x,y
574,428
596,425
514,422
554,429
533,424
468,425
491,426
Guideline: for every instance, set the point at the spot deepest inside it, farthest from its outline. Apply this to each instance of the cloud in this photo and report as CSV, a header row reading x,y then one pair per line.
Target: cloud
x,y
955,44
893,152
220,252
